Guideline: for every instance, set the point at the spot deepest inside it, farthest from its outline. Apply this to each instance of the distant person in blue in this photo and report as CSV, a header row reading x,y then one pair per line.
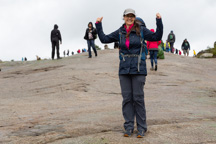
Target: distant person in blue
x,y
90,36
167,46
132,67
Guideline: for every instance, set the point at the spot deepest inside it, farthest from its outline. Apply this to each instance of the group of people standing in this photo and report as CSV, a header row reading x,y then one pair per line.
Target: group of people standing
x,y
90,36
130,38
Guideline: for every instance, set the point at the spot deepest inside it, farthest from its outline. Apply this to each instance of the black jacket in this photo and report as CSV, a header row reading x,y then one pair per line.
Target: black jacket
x,y
171,40
55,35
94,33
185,45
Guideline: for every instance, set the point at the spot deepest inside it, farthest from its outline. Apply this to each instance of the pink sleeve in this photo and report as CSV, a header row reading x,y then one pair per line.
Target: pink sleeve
x,y
159,42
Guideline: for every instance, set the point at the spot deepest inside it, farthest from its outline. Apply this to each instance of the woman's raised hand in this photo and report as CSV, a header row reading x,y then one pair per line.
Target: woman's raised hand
x,y
99,19
158,16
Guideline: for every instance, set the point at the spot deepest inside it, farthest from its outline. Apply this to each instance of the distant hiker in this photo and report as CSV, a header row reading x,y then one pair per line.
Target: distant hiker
x,y
194,53
116,45
38,58
132,68
64,53
153,49
106,46
176,51
25,59
180,52
72,53
215,44
171,39
185,47
78,51
68,53
167,46
55,38
85,50
90,36
22,59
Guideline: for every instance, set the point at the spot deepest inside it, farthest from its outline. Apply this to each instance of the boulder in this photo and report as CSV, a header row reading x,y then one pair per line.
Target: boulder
x,y
206,55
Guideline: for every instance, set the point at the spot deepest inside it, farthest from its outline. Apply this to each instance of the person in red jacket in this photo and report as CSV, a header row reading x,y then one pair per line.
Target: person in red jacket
x,y
78,51
153,49
179,52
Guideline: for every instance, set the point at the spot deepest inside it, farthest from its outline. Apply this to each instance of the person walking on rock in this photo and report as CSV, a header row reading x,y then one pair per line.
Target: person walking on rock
x,y
153,49
186,47
171,39
55,38
90,36
68,52
132,67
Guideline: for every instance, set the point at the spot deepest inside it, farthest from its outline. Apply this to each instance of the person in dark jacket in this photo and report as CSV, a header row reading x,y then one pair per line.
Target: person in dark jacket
x,y
185,47
55,38
90,36
68,52
177,51
171,39
132,68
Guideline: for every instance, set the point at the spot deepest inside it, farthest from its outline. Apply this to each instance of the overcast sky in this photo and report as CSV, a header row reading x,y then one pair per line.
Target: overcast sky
x,y
26,24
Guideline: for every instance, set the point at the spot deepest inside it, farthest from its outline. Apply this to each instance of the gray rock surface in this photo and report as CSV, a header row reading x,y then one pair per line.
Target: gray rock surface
x,y
77,100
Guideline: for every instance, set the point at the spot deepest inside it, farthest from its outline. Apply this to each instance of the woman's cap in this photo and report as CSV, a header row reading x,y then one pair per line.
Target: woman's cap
x,y
129,11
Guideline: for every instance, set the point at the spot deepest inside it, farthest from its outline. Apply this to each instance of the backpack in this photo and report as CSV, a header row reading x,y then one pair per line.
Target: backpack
x,y
171,37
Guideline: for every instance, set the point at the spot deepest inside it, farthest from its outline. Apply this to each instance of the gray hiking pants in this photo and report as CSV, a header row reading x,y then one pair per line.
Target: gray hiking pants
x,y
132,88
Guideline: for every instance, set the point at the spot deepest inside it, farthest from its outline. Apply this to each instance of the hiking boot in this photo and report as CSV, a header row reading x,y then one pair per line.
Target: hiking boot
x,y
128,133
90,57
59,58
96,55
155,67
140,134
152,69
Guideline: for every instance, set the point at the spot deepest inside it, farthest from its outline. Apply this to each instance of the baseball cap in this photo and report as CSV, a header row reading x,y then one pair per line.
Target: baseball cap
x,y
129,11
